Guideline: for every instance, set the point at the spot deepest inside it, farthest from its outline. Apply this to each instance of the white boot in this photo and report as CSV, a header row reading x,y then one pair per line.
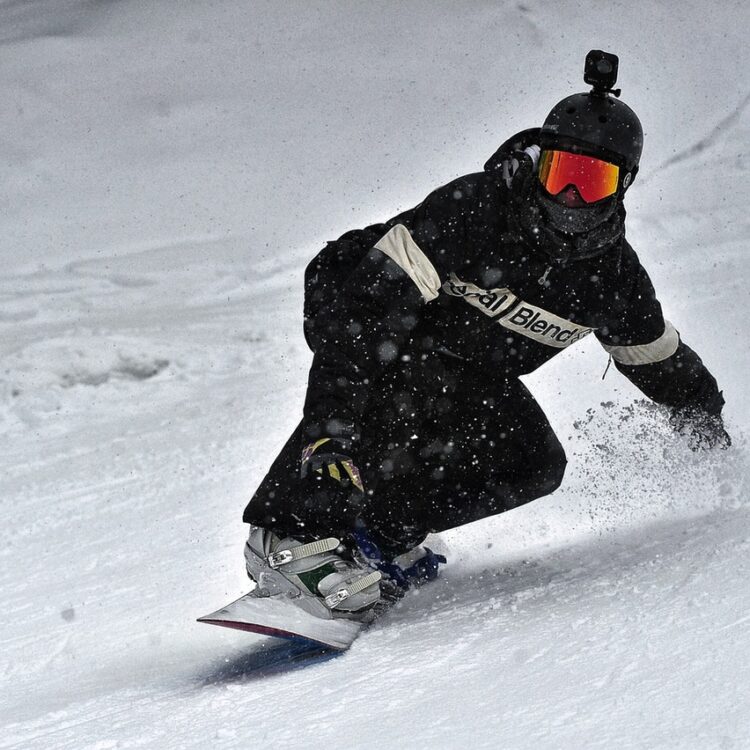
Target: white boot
x,y
313,571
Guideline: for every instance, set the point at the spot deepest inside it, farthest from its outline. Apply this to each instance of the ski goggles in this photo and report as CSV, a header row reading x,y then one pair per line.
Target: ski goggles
x,y
593,178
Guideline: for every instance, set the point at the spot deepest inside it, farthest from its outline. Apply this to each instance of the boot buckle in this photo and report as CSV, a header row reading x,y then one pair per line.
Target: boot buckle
x,y
284,556
277,559
355,587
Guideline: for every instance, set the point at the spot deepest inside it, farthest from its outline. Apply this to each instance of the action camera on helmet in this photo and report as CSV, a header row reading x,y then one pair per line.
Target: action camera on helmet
x,y
601,70
597,123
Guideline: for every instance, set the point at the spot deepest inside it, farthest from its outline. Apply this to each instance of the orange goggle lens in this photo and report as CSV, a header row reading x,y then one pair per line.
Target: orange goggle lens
x,y
593,178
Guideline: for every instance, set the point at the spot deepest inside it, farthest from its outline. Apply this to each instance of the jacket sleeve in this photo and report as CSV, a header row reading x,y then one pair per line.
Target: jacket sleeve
x,y
326,273
363,327
647,349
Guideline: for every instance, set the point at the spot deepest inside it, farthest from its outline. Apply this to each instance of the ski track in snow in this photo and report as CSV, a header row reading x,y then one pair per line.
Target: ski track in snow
x,y
709,140
152,364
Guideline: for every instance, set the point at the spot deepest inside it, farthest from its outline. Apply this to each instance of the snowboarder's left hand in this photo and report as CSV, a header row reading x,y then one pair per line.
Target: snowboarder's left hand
x,y
329,457
703,430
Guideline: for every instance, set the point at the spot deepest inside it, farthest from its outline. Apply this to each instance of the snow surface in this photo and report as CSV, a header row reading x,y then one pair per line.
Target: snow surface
x,y
168,168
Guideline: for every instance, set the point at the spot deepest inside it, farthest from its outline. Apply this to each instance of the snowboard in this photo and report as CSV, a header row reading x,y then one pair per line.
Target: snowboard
x,y
281,617
305,620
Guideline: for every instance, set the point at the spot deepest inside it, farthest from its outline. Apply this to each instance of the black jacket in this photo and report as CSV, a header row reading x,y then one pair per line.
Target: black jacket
x,y
455,274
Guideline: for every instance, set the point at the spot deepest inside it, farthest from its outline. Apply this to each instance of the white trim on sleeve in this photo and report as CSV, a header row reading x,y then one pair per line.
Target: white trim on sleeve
x,y
646,354
400,247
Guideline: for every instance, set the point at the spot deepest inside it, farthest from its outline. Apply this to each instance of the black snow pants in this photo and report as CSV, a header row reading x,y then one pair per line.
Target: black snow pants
x,y
443,444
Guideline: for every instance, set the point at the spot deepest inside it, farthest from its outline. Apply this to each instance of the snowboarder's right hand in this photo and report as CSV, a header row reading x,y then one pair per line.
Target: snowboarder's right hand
x,y
328,458
703,430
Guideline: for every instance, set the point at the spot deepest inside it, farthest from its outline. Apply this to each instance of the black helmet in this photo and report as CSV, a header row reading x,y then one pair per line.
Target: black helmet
x,y
596,122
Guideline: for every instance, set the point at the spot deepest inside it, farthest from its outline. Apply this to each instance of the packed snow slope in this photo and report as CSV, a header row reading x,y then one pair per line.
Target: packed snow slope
x,y
168,169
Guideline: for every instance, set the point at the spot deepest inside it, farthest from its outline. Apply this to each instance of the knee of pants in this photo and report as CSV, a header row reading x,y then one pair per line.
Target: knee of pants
x,y
544,475
555,470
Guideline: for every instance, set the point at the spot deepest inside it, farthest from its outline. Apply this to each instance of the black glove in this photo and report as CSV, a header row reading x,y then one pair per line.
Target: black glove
x,y
329,458
519,170
703,430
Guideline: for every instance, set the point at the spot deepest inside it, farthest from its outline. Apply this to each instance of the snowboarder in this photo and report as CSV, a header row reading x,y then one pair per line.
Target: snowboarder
x,y
415,420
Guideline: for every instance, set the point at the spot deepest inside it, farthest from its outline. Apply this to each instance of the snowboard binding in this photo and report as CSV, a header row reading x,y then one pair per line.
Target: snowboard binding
x,y
320,571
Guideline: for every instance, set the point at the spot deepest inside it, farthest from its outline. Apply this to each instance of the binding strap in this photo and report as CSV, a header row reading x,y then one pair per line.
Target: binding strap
x,y
342,594
285,556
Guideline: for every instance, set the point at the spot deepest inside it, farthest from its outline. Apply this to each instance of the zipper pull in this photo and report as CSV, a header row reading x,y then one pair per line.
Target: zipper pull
x,y
542,280
606,369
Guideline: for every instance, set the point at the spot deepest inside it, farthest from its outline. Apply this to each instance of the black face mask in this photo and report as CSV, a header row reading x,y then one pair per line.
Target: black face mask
x,y
579,220
560,232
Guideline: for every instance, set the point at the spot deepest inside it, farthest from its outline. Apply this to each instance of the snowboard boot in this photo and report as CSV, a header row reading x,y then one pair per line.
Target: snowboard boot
x,y
316,574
